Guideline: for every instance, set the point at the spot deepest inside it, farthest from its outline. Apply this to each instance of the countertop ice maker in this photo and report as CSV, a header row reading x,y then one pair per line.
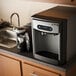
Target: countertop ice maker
x,y
54,35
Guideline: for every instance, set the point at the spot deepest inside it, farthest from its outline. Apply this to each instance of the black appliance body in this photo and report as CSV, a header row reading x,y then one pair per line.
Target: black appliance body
x,y
53,35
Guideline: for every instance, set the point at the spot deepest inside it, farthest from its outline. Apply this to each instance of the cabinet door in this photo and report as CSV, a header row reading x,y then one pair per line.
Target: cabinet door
x,y
69,2
29,70
9,67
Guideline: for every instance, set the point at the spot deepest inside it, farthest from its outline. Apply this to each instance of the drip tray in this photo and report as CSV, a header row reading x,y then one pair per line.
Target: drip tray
x,y
48,54
47,57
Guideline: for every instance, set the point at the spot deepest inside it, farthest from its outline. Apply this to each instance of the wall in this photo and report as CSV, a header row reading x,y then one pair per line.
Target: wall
x,y
24,8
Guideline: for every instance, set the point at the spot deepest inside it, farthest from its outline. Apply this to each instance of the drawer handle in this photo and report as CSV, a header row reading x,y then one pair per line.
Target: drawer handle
x,y
72,0
34,74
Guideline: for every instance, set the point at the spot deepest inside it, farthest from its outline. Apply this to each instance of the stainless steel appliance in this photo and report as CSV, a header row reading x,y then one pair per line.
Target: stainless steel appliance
x,y
24,38
54,35
23,41
23,35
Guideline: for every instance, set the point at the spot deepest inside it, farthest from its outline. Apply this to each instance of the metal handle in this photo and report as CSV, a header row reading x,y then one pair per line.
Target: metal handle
x,y
34,74
72,0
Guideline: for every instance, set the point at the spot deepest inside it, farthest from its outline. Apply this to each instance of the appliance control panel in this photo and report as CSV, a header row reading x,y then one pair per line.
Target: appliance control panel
x,y
48,27
42,27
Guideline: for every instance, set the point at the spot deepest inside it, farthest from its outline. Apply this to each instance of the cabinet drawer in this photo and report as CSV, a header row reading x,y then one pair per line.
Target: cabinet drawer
x,y
29,70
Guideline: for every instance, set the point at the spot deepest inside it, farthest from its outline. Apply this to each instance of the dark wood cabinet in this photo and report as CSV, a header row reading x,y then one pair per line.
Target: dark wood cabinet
x,y
66,2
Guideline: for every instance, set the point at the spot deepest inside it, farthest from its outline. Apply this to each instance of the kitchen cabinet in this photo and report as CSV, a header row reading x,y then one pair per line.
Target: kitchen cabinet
x,y
9,66
30,70
67,2
12,64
